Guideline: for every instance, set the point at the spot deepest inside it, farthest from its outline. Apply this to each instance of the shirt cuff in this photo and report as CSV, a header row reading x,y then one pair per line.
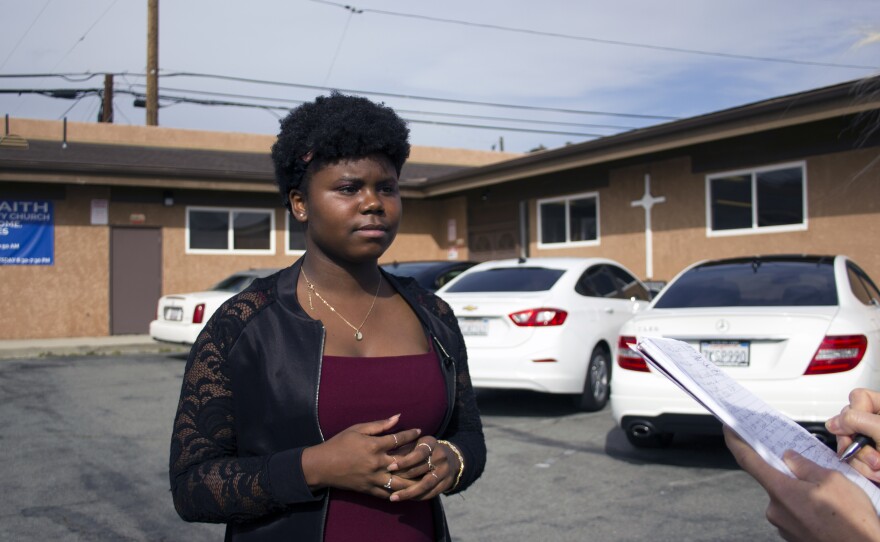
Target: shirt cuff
x,y
287,483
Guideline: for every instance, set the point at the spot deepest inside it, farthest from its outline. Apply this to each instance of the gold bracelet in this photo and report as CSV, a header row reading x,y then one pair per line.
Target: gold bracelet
x,y
457,452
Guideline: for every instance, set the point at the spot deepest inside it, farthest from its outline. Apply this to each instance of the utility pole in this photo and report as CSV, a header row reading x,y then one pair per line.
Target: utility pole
x,y
152,62
107,103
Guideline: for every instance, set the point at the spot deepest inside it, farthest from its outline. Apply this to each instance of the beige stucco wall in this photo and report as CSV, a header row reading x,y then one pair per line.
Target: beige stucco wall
x,y
192,272
424,231
70,298
843,217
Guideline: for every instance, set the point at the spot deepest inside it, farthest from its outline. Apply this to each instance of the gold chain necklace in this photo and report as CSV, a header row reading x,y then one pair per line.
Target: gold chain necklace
x,y
357,330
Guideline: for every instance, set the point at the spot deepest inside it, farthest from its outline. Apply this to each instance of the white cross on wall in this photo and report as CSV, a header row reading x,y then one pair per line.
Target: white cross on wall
x,y
647,202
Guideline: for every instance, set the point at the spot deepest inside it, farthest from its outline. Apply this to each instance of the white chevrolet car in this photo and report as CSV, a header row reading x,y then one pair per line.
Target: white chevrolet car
x,y
798,331
181,317
544,324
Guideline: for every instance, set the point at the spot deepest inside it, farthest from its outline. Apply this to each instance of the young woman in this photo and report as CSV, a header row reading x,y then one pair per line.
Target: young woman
x,y
330,401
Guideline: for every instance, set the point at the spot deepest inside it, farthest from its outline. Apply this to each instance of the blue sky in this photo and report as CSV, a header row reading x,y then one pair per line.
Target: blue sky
x,y
379,50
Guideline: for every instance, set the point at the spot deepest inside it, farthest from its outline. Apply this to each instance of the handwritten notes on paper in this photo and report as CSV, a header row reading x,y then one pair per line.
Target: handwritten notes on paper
x,y
769,432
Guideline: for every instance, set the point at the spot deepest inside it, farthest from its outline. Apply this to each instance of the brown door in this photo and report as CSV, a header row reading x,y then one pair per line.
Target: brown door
x,y
135,278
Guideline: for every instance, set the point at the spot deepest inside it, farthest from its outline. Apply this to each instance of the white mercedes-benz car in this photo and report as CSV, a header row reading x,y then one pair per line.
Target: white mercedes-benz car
x,y
544,324
798,331
181,317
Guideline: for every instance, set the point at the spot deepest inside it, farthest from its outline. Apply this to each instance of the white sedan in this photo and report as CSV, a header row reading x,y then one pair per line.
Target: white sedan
x,y
544,324
798,331
181,317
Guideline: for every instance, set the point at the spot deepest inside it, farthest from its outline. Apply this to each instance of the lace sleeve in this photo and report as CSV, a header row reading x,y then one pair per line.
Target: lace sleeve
x,y
465,428
208,482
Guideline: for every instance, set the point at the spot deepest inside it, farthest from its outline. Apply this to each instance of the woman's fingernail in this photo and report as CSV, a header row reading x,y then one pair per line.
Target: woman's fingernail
x,y
393,467
394,498
832,424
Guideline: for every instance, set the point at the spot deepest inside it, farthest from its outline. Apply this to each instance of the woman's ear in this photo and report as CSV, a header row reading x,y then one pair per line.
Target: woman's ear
x,y
298,205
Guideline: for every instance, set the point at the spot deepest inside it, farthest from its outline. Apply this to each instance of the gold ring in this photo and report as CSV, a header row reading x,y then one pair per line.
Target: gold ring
x,y
431,466
388,483
425,444
396,444
434,474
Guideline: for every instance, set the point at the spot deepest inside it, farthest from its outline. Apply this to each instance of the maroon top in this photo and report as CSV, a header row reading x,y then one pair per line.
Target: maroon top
x,y
356,390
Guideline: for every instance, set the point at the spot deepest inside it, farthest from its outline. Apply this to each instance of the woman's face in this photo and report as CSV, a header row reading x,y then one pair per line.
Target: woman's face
x,y
352,208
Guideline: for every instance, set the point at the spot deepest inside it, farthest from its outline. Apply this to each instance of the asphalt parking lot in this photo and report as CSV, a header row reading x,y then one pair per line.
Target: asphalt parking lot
x,y
84,443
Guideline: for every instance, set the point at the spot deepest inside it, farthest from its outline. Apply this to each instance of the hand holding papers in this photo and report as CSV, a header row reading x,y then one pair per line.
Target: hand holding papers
x,y
765,429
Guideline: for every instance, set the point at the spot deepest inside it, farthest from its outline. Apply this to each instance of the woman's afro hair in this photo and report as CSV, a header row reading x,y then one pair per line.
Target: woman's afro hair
x,y
334,128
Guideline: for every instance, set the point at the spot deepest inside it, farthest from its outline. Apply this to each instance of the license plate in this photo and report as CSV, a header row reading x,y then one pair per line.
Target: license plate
x,y
726,353
174,313
474,326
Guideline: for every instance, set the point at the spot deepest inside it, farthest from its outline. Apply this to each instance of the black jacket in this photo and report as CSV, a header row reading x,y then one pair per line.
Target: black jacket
x,y
249,406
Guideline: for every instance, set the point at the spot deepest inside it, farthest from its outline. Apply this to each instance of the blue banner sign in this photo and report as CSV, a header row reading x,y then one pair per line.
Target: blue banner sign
x,y
27,232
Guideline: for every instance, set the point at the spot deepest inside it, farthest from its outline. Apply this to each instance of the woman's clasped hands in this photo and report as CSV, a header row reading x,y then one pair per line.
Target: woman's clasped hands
x,y
369,458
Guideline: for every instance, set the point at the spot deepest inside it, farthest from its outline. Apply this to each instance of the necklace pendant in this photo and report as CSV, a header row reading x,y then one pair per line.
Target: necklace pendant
x,y
359,336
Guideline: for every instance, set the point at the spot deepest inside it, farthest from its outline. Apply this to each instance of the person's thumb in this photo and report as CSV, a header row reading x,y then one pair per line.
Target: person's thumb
x,y
376,427
801,467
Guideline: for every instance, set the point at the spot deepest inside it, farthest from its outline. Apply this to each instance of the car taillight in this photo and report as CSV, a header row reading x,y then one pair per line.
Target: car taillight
x,y
199,313
627,358
837,354
539,317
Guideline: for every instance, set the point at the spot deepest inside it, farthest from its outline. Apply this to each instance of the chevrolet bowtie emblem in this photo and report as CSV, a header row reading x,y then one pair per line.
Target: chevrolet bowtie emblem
x,y
469,308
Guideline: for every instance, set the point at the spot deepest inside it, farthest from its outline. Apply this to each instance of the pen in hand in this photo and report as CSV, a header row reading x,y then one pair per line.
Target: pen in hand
x,y
859,441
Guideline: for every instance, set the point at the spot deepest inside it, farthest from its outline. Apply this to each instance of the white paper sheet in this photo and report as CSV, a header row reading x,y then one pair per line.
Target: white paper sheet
x,y
769,432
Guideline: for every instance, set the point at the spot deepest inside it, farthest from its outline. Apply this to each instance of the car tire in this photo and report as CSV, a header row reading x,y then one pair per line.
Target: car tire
x,y
597,382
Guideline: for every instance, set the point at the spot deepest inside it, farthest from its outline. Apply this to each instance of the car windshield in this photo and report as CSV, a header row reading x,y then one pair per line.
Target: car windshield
x,y
508,279
753,282
234,283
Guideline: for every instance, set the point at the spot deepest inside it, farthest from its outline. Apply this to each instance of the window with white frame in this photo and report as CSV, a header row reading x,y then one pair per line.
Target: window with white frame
x,y
572,220
230,230
765,199
296,236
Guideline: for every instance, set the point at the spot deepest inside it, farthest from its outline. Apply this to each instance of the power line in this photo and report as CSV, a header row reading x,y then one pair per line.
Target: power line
x,y
339,46
361,92
64,93
72,93
78,94
87,32
417,97
598,40
184,99
407,111
26,32
84,76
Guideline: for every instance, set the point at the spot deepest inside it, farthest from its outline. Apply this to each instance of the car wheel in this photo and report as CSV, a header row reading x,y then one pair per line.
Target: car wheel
x,y
596,383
